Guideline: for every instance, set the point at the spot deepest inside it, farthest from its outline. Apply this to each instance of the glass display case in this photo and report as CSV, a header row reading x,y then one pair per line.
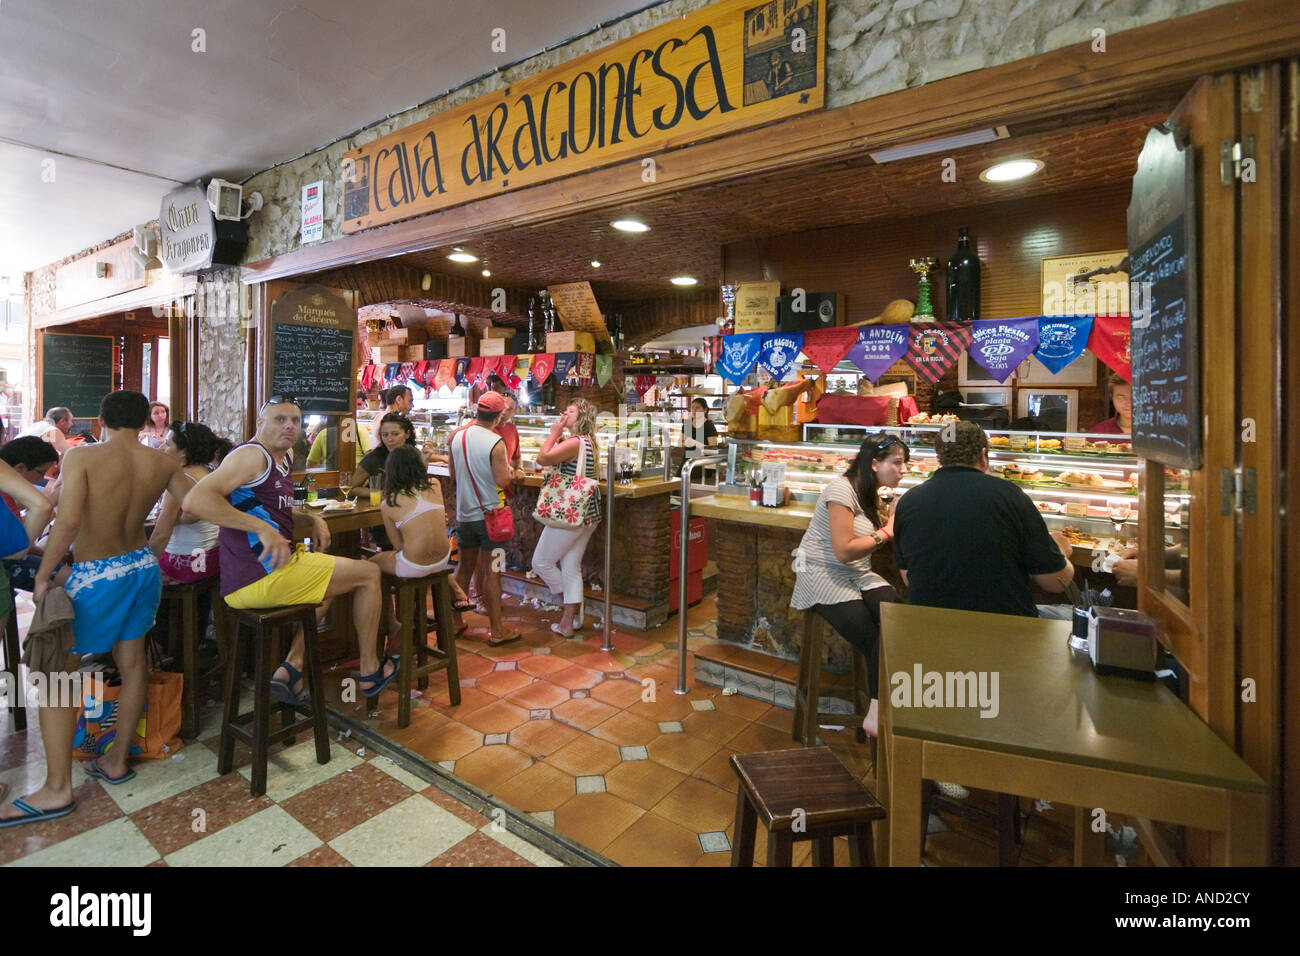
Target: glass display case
x,y
1085,486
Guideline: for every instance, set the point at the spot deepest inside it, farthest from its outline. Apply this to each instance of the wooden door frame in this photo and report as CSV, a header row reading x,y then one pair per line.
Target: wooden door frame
x,y
1290,388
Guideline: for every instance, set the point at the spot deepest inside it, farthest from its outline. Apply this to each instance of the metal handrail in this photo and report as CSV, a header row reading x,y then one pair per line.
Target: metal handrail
x,y
608,644
687,468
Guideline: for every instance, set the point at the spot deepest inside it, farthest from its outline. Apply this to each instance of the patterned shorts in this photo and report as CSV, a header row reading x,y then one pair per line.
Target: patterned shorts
x,y
114,599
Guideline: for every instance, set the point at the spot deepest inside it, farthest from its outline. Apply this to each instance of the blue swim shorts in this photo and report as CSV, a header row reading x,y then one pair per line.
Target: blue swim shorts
x,y
114,599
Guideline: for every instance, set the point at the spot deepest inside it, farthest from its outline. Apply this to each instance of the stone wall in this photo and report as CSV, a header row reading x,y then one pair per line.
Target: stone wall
x,y
219,309
874,47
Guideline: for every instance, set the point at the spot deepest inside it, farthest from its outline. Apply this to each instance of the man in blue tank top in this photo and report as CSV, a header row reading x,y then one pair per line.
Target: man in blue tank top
x,y
251,497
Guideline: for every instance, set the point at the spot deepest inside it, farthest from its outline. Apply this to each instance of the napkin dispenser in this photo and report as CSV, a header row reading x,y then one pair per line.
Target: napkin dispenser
x,y
1121,641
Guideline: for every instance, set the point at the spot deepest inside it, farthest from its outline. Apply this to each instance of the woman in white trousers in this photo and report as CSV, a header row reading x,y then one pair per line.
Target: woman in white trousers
x,y
557,559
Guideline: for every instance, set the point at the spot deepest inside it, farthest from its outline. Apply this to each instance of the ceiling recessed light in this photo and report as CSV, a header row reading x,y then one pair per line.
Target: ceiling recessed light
x,y
684,280
630,225
460,255
595,263
1011,170
486,273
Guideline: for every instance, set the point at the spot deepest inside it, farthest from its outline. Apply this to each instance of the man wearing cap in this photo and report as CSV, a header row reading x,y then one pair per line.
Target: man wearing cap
x,y
481,472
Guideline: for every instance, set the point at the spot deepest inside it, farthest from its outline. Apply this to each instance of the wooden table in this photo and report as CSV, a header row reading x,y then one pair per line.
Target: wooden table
x,y
1061,733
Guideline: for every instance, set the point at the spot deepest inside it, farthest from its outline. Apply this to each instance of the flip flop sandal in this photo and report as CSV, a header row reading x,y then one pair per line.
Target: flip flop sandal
x,y
463,606
93,770
33,815
377,680
498,641
283,693
560,631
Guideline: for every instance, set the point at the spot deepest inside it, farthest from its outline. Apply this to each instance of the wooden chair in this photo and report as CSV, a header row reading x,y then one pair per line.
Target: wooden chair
x,y
801,795
264,628
808,692
418,660
18,705
183,620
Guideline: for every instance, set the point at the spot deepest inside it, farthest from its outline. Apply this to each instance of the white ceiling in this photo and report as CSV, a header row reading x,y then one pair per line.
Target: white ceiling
x,y
89,82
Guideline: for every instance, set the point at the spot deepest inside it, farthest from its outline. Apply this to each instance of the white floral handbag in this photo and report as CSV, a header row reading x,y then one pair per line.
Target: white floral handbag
x,y
569,502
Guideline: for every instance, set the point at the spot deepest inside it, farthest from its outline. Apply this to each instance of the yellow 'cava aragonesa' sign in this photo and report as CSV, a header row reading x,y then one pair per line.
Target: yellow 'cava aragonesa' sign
x,y
730,66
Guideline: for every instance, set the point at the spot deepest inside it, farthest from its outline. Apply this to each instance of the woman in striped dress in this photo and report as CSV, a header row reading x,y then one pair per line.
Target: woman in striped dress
x,y
833,560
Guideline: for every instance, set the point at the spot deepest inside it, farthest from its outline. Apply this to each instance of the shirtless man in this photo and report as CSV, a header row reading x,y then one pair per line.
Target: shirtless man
x,y
115,587
251,497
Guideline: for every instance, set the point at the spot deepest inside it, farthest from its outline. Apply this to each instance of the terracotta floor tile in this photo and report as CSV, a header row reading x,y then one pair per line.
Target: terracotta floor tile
x,y
714,725
717,770
572,650
471,699
478,849
788,672
617,693
451,741
489,767
499,717
454,806
625,643
321,856
595,819
542,737
608,663
94,808
755,662
778,718
540,787
643,782
713,650
585,756
654,841
576,677
666,705
542,665
514,651
758,738
583,713
423,721
169,824
539,695
471,665
714,859
22,747
334,807
698,806
681,752
626,730
503,683
738,705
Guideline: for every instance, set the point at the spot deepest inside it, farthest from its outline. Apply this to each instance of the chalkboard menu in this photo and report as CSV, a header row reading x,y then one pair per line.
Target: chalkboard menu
x,y
313,342
76,371
1165,344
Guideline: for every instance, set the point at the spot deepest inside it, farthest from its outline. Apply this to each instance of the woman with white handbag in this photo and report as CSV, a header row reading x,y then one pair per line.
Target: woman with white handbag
x,y
568,504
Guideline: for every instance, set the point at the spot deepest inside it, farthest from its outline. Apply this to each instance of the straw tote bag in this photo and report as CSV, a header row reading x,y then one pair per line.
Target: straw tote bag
x,y
565,501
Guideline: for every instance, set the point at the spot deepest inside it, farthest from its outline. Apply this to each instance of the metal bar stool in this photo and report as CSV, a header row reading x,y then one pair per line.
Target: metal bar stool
x,y
418,660
183,603
265,627
19,704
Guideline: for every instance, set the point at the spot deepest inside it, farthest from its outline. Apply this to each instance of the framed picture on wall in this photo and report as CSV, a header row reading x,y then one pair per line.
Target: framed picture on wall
x,y
1090,283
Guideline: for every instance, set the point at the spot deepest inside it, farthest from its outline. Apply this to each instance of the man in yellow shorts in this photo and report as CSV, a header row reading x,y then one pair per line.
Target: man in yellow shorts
x,y
251,497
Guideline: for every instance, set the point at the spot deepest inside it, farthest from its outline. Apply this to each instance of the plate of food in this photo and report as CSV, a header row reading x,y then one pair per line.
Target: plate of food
x,y
340,505
1049,507
1090,481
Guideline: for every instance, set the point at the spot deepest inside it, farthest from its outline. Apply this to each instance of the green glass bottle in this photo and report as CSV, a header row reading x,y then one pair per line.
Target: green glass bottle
x,y
963,281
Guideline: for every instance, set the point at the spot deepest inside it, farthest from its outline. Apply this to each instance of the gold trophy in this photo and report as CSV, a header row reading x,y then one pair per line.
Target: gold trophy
x,y
924,310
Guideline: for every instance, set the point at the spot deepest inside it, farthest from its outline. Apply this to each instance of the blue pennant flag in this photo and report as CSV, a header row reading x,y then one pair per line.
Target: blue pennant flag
x,y
779,352
1062,339
739,354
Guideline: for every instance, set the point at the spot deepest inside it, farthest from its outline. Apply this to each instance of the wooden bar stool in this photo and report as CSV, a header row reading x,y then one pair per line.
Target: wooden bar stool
x,y
801,795
12,655
265,627
417,659
808,693
183,620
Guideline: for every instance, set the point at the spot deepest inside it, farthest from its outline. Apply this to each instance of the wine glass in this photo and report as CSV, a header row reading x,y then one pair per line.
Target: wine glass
x,y
345,485
1120,512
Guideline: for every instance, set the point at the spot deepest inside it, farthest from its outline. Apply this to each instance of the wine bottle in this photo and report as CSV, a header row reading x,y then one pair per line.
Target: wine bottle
x,y
963,281
532,320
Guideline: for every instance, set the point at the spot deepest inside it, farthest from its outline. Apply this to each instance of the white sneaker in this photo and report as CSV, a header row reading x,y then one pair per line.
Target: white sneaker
x,y
953,791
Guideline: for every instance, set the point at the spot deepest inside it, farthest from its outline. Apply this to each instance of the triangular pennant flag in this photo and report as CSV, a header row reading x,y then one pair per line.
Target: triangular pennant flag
x,y
368,374
405,373
933,347
420,374
604,369
1110,341
878,348
1062,339
446,374
1000,345
462,367
563,362
475,371
739,355
543,363
644,383
584,368
391,371
779,352
825,347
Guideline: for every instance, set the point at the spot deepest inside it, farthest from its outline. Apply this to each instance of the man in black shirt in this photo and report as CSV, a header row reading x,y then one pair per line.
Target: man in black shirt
x,y
971,541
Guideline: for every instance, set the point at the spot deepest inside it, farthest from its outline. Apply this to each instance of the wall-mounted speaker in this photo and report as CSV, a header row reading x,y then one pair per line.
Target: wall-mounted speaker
x,y
232,240
821,310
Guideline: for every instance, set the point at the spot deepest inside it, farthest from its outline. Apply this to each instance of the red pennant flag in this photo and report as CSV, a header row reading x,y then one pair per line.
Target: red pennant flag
x,y
368,374
543,364
825,347
491,366
1110,340
474,371
446,373
644,383
933,347
421,374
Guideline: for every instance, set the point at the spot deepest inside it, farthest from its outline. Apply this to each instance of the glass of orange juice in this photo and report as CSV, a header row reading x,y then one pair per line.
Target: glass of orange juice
x,y
376,491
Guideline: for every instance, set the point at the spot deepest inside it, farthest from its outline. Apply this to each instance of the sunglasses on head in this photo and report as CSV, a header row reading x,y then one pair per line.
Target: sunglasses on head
x,y
281,400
